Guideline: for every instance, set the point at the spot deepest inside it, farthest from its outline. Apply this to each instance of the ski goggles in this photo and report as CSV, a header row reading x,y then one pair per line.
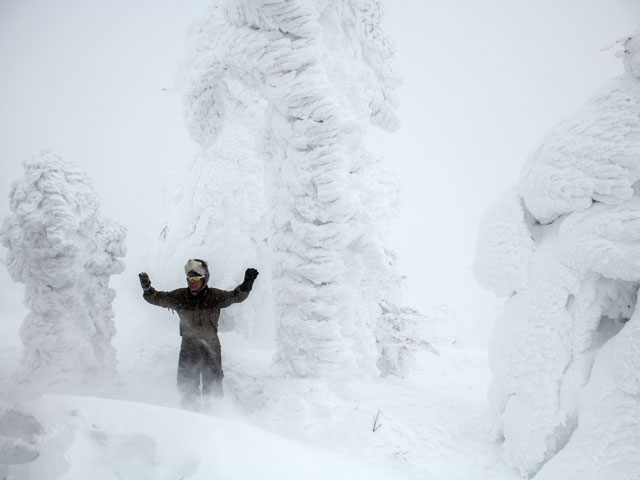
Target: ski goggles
x,y
194,279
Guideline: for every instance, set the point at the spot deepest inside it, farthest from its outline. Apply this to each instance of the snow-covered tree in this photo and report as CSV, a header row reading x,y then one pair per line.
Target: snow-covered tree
x,y
64,252
565,248
280,95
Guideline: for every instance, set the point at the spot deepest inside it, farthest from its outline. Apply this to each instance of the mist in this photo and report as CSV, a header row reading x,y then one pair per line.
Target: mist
x,y
482,84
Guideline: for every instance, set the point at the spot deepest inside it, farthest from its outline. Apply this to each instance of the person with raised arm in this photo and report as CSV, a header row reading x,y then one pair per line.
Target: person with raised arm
x,y
198,307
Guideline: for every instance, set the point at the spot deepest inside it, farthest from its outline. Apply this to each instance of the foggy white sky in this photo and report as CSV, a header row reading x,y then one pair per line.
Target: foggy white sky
x,y
483,82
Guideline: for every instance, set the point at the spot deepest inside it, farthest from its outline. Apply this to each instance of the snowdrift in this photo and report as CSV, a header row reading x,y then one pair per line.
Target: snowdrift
x,y
66,437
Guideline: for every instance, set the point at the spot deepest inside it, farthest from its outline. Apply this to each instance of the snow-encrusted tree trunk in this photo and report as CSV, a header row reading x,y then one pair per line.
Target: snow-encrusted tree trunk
x,y
565,247
280,95
64,252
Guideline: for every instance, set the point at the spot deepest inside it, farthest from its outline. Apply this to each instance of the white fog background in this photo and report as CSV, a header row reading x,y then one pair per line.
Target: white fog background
x,y
482,83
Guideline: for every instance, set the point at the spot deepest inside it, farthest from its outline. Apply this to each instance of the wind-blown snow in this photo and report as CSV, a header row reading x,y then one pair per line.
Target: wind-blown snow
x,y
567,249
431,424
75,437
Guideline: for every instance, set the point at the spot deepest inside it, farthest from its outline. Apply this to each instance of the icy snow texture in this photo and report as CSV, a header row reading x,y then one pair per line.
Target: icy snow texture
x,y
504,247
280,95
571,261
605,444
64,253
590,157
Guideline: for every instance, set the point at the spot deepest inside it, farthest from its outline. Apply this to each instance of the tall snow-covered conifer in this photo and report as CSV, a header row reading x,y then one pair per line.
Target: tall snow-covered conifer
x,y
564,246
280,95
64,252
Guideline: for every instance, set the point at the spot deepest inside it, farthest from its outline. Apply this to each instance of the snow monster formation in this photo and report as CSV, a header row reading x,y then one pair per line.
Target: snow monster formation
x,y
279,95
564,246
64,253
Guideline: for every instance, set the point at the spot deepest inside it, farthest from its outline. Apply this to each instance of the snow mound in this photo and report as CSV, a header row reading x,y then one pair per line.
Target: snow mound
x,y
566,248
84,437
605,444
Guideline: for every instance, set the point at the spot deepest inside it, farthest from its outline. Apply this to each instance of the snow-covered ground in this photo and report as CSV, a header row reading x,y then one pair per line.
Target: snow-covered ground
x,y
433,424
85,437
430,425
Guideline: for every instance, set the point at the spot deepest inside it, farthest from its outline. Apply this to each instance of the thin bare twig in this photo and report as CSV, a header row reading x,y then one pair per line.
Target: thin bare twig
x,y
376,425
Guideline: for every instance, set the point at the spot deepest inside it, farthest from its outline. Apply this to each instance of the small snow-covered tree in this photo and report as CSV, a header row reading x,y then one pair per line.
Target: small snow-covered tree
x,y
280,95
565,248
64,253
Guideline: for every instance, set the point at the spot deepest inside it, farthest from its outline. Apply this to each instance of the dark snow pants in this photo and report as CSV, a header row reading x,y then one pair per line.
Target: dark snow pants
x,y
200,361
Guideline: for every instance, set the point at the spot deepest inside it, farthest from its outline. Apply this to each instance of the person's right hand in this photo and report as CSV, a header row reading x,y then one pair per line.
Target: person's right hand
x,y
145,283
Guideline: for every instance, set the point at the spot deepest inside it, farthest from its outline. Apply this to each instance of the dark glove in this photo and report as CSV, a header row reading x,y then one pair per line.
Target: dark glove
x,y
145,283
249,277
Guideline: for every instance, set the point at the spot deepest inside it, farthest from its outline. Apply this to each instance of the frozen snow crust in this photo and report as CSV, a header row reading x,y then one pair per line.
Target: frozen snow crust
x,y
565,248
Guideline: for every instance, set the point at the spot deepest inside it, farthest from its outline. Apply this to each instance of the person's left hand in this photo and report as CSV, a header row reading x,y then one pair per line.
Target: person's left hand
x,y
250,276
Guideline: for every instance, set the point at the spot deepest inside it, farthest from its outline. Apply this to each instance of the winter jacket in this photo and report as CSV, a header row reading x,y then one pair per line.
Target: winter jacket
x,y
199,313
